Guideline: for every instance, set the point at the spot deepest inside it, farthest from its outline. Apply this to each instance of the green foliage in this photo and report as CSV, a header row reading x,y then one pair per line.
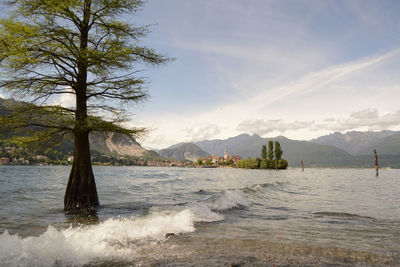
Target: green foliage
x,y
264,152
258,162
270,150
33,155
282,164
199,162
248,163
278,151
271,164
264,164
72,47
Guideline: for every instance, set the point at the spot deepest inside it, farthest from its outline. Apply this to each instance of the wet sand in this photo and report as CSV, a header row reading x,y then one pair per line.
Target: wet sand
x,y
188,251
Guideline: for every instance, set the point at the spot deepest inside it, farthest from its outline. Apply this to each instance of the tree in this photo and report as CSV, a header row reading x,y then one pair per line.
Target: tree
x,y
270,150
278,151
248,163
264,164
264,152
258,160
281,164
73,47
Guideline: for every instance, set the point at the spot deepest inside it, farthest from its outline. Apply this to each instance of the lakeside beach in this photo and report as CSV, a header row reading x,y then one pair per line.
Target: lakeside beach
x,y
222,217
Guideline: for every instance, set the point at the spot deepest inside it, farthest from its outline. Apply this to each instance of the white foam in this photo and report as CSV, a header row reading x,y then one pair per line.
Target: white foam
x,y
228,200
203,213
113,238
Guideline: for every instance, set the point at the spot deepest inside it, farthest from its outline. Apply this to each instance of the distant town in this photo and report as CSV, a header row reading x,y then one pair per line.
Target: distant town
x,y
226,160
12,155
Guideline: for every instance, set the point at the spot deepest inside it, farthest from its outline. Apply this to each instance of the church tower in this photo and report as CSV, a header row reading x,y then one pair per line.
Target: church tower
x,y
225,155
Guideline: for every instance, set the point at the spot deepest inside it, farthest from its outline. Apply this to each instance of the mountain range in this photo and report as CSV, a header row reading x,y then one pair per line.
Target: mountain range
x,y
361,143
184,151
352,149
294,151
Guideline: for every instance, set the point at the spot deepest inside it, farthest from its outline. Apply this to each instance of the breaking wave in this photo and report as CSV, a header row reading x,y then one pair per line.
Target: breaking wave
x,y
114,238
229,199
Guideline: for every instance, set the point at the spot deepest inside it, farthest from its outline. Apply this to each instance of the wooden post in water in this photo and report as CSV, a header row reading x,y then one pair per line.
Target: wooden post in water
x,y
376,163
302,165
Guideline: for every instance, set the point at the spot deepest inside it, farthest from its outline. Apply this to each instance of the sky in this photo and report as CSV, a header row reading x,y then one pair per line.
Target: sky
x,y
296,68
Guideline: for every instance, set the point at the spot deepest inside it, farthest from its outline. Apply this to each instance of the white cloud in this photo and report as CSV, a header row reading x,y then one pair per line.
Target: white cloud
x,y
197,132
155,141
255,107
250,53
366,114
66,100
303,116
253,67
319,80
262,127
367,118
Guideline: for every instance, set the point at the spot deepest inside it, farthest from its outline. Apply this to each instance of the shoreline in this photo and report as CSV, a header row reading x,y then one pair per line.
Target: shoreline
x,y
210,167
221,217
189,250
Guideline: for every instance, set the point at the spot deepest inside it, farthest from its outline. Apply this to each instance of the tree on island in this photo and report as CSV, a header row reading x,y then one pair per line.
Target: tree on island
x,y
264,152
264,162
271,162
249,163
280,163
73,47
270,150
278,151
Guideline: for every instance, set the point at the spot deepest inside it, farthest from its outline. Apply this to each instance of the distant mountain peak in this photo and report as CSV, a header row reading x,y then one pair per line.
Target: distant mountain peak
x,y
354,142
318,152
183,151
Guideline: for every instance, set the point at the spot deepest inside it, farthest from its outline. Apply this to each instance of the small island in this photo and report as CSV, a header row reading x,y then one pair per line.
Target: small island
x,y
272,160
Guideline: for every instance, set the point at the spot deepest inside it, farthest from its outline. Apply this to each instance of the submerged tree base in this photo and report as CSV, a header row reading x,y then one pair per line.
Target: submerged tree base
x,y
81,193
81,208
84,213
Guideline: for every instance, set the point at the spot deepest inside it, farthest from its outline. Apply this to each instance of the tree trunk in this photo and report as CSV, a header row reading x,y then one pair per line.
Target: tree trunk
x,y
81,193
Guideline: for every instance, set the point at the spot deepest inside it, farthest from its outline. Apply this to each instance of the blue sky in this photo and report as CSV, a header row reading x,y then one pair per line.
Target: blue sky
x,y
290,67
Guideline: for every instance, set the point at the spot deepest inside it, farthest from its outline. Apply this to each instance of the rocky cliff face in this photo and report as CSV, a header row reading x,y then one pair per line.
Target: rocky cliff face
x,y
185,151
104,143
113,143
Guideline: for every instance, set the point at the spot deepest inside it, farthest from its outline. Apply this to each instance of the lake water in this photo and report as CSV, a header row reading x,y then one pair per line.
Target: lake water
x,y
176,216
